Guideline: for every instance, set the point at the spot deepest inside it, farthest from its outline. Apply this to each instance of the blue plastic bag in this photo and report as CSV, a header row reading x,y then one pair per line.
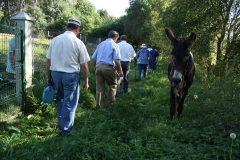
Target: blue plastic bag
x,y
48,94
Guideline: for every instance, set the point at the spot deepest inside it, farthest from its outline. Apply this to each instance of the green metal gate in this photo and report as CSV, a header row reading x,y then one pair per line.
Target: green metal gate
x,y
11,72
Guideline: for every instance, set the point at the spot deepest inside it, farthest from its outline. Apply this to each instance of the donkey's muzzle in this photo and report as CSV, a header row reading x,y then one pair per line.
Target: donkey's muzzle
x,y
176,80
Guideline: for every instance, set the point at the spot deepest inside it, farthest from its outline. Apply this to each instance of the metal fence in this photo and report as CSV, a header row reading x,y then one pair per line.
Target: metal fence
x,y
11,69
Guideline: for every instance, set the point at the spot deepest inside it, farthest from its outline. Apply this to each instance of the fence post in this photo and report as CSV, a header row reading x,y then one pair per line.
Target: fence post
x,y
23,21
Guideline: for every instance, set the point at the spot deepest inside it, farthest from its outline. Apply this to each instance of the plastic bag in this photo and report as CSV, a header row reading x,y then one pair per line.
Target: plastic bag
x,y
119,81
48,94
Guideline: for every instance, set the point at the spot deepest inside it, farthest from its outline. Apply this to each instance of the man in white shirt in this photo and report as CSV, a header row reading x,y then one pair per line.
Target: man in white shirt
x,y
127,53
65,56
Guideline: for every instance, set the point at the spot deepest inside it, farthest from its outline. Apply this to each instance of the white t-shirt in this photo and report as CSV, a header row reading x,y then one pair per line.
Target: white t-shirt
x,y
149,49
67,52
126,51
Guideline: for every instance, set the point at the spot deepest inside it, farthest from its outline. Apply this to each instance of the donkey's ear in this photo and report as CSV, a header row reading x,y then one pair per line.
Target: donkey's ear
x,y
192,39
171,36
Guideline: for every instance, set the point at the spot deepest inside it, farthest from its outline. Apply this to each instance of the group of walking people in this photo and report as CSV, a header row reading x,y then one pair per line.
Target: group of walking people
x,y
147,60
111,60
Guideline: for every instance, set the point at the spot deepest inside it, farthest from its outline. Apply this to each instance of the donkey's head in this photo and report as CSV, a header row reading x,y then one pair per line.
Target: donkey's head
x,y
181,56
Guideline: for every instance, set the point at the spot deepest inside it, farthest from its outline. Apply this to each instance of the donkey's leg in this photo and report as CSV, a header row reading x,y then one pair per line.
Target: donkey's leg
x,y
181,104
180,108
172,104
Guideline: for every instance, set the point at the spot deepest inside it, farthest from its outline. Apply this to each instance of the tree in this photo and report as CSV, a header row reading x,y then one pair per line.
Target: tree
x,y
103,14
137,25
114,24
13,7
215,22
9,8
184,16
232,30
39,17
1,13
85,11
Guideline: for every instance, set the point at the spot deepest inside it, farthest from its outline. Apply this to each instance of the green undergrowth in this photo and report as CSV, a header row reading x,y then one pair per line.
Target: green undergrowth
x,y
137,126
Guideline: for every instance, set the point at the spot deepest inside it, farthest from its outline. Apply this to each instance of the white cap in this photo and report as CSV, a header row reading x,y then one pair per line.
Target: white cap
x,y
143,46
74,21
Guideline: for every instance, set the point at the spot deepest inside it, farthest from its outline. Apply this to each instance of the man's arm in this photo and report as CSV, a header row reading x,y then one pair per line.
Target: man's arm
x,y
134,55
94,64
84,68
119,67
135,61
48,72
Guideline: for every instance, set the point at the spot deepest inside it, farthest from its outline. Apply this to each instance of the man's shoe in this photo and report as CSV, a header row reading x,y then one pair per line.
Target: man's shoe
x,y
64,134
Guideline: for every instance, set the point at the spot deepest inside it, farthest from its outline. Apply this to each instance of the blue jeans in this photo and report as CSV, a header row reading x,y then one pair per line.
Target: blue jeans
x,y
143,67
67,86
125,68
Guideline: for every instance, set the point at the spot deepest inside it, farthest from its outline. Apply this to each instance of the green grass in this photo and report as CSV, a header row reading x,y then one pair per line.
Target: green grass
x,y
137,126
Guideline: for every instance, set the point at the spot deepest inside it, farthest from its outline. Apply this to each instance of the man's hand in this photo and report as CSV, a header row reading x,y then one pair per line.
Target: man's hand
x,y
119,67
50,81
84,68
135,61
85,86
94,65
120,73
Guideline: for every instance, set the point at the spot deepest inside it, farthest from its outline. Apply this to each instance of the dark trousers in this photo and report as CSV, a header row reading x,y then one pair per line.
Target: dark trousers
x,y
125,68
143,67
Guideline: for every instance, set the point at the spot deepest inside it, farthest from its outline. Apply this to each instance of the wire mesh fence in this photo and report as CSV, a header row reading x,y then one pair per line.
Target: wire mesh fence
x,y
10,72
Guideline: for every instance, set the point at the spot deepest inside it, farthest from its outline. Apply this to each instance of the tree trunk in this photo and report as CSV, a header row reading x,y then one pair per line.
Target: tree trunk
x,y
219,43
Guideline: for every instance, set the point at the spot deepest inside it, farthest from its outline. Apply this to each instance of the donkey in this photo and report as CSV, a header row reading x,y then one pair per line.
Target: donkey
x,y
181,71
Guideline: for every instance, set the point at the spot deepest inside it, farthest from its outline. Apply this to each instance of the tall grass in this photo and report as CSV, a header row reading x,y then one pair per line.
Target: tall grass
x,y
137,126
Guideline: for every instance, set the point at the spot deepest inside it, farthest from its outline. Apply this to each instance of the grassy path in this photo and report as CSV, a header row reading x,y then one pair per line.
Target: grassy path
x,y
136,127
